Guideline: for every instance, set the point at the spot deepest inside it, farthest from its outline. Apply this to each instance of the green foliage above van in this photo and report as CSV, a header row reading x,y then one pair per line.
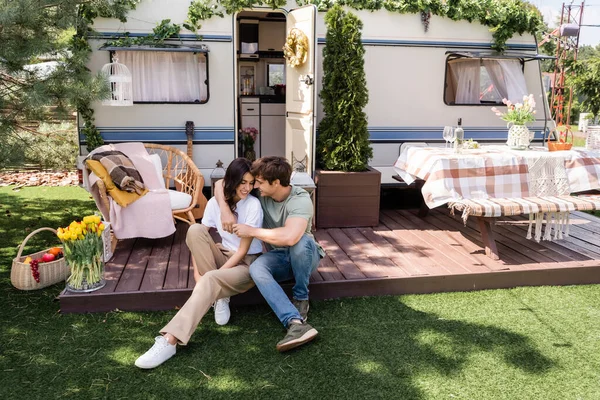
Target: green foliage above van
x,y
161,32
504,17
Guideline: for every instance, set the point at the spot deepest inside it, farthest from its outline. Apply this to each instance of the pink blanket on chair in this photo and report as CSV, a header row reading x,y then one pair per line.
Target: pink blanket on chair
x,y
148,217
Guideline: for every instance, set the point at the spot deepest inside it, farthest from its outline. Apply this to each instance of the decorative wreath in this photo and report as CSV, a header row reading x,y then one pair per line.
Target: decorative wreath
x,y
296,48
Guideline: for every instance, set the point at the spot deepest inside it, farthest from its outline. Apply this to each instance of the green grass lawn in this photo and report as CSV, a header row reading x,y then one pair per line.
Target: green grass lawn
x,y
524,343
579,142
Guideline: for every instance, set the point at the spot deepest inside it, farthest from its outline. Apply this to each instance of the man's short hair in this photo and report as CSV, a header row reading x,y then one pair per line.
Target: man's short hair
x,y
272,168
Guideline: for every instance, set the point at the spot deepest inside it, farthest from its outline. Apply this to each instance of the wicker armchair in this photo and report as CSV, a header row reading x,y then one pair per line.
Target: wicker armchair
x,y
179,171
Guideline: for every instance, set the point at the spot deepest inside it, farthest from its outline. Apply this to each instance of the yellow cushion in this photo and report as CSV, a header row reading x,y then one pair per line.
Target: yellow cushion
x,y
122,197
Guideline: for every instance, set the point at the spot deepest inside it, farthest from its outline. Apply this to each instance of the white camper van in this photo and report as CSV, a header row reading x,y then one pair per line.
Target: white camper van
x,y
233,76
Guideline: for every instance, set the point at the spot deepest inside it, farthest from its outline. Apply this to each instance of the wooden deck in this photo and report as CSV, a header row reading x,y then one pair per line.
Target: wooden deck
x,y
404,254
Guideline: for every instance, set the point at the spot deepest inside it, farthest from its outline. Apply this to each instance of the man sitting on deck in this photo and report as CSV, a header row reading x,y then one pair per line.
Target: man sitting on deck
x,y
288,214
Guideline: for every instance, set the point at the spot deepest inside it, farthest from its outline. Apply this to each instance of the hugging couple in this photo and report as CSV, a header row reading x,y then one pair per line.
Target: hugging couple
x,y
281,217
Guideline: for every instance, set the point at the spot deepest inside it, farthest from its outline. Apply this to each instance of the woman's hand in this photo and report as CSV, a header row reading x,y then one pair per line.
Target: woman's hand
x,y
238,257
228,220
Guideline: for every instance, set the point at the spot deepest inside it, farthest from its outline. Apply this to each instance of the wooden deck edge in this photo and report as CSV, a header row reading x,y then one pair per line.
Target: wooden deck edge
x,y
124,301
172,299
162,300
455,283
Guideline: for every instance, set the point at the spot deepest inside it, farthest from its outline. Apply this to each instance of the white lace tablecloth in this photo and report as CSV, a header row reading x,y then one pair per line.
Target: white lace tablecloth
x,y
498,172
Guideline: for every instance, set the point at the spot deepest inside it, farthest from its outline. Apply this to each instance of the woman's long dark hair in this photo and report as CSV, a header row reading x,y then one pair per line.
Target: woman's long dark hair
x,y
233,177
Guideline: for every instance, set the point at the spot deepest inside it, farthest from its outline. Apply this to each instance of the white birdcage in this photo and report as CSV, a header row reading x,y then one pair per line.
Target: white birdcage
x,y
119,79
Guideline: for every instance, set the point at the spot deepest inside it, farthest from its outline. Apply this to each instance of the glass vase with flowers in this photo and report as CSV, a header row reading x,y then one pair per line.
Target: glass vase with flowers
x,y
248,137
83,250
518,115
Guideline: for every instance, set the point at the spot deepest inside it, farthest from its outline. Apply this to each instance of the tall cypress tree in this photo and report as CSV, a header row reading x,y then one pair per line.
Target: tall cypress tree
x,y
343,141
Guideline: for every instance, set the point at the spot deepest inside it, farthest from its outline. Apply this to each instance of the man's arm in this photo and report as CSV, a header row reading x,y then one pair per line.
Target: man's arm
x,y
227,217
288,235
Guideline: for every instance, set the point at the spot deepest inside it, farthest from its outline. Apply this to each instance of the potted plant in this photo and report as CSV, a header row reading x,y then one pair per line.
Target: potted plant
x,y
248,138
83,251
347,189
517,115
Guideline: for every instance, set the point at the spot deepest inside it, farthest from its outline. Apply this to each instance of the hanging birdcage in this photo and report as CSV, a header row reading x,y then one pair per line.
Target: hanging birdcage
x,y
119,79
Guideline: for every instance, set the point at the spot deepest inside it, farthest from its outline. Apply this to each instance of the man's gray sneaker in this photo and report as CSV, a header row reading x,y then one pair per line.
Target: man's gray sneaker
x,y
297,335
302,307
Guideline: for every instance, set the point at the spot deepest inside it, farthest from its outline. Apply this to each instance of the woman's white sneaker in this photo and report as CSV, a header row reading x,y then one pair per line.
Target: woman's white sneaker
x,y
222,312
160,352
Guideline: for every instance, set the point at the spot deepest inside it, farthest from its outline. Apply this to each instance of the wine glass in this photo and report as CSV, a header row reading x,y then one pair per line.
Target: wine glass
x,y
449,135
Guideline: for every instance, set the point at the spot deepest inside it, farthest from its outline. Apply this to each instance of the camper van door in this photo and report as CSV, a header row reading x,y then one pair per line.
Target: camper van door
x,y
301,95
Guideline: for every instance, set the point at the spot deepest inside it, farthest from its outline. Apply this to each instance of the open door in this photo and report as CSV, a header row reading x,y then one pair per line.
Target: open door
x,y
300,99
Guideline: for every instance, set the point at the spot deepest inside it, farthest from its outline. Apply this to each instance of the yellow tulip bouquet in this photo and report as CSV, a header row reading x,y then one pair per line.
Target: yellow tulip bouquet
x,y
82,244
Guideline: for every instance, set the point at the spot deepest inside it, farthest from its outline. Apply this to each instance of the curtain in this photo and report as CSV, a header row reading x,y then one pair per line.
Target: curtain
x,y
166,76
466,74
516,87
496,74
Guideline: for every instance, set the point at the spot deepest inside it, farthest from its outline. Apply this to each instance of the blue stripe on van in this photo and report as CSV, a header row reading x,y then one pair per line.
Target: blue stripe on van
x,y
226,134
401,134
426,43
166,128
177,134
186,36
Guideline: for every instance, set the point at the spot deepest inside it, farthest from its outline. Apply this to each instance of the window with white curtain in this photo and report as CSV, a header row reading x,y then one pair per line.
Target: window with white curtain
x,y
482,81
167,77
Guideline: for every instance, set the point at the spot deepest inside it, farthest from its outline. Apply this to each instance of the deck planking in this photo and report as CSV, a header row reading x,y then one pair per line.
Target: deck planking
x,y
453,243
457,260
403,254
384,266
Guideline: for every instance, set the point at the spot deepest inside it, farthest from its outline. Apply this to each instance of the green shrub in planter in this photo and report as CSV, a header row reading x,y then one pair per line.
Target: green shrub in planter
x,y
348,192
343,140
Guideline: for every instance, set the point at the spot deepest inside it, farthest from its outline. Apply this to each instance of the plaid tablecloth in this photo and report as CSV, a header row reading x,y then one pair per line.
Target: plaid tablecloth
x,y
583,169
490,172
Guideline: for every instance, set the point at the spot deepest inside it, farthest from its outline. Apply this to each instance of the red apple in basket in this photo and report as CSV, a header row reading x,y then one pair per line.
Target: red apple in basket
x,y
48,257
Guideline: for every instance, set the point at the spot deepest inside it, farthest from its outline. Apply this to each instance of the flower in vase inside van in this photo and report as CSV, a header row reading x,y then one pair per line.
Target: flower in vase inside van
x,y
248,137
518,113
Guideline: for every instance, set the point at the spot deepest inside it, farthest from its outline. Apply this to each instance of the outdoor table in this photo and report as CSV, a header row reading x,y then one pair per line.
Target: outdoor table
x,y
498,172
499,181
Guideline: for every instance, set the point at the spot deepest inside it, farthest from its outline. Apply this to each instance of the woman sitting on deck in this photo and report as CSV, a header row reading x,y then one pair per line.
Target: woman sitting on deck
x,y
222,269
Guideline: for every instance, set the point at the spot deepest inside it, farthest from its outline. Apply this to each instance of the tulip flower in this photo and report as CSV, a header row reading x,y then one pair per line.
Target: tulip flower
x,y
83,247
518,113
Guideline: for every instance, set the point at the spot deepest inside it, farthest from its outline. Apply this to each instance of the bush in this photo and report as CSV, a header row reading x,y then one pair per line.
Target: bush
x,y
54,146
343,141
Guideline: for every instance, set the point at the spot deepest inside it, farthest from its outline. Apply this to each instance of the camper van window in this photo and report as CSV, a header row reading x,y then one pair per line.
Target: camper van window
x,y
167,77
275,74
481,81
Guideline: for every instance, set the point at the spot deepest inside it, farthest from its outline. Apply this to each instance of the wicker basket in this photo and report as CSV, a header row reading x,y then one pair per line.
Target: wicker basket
x,y
592,137
50,272
557,145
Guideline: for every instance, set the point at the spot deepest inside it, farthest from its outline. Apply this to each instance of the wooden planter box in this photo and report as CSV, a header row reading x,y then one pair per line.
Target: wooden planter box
x,y
347,199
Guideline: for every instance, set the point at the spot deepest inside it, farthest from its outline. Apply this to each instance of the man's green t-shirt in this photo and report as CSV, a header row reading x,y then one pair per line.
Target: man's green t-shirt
x,y
297,204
